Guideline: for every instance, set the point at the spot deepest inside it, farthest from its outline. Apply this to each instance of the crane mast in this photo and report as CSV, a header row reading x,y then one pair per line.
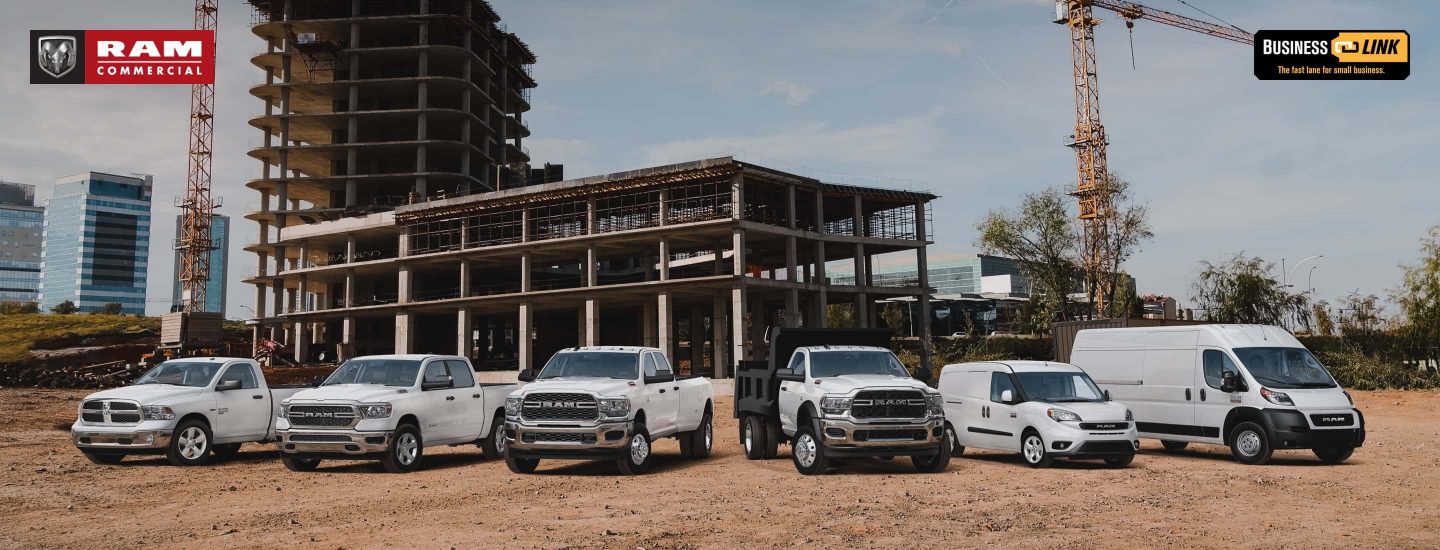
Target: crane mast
x,y
197,210
1092,192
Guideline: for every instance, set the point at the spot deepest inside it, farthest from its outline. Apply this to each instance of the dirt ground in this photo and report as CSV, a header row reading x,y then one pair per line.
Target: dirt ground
x,y
1385,496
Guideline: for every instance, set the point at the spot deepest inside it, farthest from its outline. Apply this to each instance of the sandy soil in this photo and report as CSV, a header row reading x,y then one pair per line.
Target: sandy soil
x,y
1385,496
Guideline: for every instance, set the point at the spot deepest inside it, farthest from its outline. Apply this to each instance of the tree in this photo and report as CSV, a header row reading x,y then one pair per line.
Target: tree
x,y
1126,229
1361,314
1324,325
1418,295
839,316
1243,290
1041,235
111,309
893,316
64,308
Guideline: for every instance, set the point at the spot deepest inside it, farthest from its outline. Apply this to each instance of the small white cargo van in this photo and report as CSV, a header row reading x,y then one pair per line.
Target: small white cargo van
x,y
1254,388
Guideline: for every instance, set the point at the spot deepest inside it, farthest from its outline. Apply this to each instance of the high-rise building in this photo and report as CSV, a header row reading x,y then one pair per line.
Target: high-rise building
x,y
97,242
21,224
962,275
219,266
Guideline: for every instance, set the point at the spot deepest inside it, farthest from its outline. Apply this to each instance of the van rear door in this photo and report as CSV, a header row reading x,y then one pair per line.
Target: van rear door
x,y
1168,390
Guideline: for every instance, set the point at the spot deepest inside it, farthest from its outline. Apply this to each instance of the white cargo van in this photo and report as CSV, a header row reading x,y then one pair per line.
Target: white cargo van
x,y
1254,388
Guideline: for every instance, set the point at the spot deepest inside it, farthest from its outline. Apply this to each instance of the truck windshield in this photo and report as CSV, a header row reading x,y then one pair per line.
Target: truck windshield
x,y
842,362
1059,387
1285,368
592,364
379,372
196,374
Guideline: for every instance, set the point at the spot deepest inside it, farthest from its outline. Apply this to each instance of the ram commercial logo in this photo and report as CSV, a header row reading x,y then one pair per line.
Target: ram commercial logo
x,y
122,57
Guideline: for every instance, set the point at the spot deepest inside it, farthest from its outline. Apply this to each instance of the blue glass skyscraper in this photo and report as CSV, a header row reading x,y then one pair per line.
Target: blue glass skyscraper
x,y
97,242
21,223
219,266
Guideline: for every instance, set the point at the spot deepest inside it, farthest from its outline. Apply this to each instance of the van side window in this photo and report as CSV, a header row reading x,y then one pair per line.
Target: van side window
x,y
1217,362
999,382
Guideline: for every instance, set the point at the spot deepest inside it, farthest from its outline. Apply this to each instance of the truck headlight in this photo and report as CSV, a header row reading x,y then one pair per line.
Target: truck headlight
x,y
1276,397
512,406
157,412
615,407
1062,415
282,411
835,405
372,411
936,403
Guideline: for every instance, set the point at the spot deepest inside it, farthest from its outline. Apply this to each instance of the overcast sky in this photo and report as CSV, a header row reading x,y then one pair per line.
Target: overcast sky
x,y
969,99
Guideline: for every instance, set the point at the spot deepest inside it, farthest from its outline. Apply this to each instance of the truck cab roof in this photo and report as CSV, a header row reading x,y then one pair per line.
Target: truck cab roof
x,y
410,356
621,349
842,348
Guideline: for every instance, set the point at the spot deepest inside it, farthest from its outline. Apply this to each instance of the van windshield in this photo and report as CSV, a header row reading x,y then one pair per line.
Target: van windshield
x,y
379,372
843,362
1285,368
1059,387
592,364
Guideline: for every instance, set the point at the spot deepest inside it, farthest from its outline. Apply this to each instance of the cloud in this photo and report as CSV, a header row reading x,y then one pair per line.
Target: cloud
x,y
794,92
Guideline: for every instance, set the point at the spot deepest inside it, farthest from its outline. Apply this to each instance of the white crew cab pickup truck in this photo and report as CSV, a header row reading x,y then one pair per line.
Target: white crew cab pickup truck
x,y
606,402
184,408
391,407
833,398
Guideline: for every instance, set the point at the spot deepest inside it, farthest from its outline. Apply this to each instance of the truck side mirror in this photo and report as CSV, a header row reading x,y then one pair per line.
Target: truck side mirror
x,y
660,379
923,374
439,383
1107,394
1228,382
227,385
527,375
319,379
1007,397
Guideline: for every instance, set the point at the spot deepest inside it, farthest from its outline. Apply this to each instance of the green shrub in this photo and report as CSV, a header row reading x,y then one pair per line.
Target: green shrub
x,y
1355,370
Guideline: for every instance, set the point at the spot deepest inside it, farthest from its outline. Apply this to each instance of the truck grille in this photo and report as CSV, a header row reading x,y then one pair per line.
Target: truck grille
x,y
108,411
889,404
321,416
320,438
559,438
560,406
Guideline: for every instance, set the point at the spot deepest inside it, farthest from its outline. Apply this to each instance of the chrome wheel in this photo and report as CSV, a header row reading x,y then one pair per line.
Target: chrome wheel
x,y
954,440
1034,449
499,443
804,450
407,448
749,439
193,443
1248,443
639,449
709,439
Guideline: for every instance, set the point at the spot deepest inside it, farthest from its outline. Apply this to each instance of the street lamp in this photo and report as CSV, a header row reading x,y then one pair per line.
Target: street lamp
x,y
1309,279
1288,274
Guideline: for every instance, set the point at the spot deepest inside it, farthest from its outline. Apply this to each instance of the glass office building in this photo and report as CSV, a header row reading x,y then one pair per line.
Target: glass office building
x,y
958,276
21,224
97,242
219,266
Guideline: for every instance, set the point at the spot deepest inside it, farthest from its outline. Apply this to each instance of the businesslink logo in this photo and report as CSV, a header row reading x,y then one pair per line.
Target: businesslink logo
x,y
122,57
1332,55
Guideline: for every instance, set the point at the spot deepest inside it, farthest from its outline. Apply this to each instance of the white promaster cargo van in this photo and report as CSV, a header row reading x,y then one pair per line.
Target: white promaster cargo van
x,y
1254,388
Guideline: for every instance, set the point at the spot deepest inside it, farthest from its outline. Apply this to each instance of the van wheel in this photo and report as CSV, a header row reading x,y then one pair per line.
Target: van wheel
x,y
1174,446
956,449
1249,444
521,465
753,437
1334,456
808,452
493,447
403,453
1120,461
190,445
104,458
300,463
936,462
1032,449
697,443
637,455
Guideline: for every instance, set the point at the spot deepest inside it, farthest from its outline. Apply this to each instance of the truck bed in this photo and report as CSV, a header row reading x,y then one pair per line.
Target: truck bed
x,y
757,389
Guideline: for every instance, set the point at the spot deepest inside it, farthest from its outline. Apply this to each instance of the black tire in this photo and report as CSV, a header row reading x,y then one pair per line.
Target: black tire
x,y
1250,444
226,450
1033,451
104,458
405,450
1120,461
637,455
697,443
521,465
773,435
1334,456
753,437
930,464
808,452
300,463
956,449
190,444
1174,446
493,445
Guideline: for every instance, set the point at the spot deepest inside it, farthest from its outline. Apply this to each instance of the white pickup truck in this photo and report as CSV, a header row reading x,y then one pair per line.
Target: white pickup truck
x,y
392,407
185,408
838,393
608,403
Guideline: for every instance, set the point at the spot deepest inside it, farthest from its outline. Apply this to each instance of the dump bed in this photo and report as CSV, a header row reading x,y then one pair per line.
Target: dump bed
x,y
756,388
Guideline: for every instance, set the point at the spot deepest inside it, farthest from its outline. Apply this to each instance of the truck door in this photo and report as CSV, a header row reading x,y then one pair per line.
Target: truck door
x,y
443,407
792,394
662,398
470,400
244,413
1213,405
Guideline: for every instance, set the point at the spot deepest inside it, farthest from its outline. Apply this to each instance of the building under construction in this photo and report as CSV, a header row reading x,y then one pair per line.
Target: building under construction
x,y
398,213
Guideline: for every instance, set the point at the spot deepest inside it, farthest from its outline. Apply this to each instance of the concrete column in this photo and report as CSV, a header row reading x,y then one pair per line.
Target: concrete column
x,y
260,301
859,229
523,344
862,310
590,261
590,215
664,206
525,225
404,333
862,274
647,324
697,339
349,295
347,337
278,286
463,330
792,296
737,196
790,206
663,324
739,309
737,241
821,297
302,342
720,351
403,287
922,269
525,272
464,278
350,249
591,317
664,259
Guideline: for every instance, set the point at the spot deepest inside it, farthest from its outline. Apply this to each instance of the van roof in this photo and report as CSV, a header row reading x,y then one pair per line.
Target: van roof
x,y
1016,366
1224,335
